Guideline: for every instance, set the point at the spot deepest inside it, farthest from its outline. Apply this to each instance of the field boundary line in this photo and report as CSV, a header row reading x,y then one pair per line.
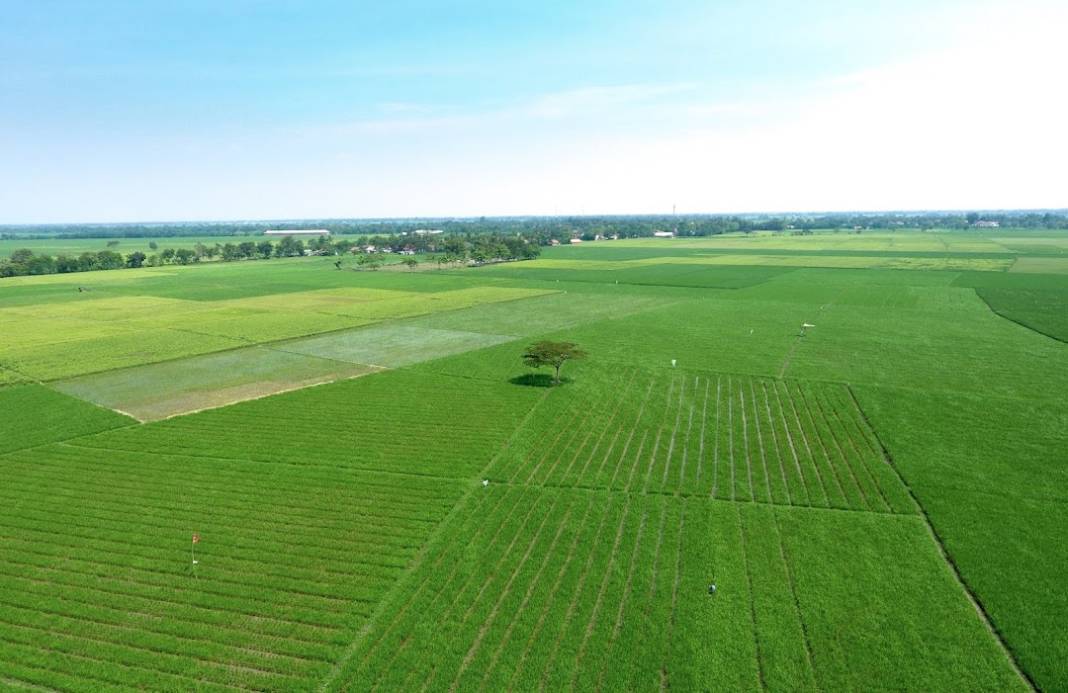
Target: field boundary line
x,y
976,603
417,560
776,445
790,441
447,615
486,624
730,435
674,432
591,623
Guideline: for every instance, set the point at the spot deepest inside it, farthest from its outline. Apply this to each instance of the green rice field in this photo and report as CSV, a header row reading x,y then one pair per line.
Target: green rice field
x,y
385,498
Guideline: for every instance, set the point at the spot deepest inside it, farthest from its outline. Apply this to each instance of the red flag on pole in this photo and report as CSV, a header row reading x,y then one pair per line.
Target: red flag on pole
x,y
196,538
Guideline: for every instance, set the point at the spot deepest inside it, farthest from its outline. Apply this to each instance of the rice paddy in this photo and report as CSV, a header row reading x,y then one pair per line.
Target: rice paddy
x,y
383,497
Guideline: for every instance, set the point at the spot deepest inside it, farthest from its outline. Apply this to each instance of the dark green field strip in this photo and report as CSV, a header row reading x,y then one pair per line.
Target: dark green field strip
x,y
401,510
731,437
602,252
33,415
567,589
1041,310
400,520
696,276
451,426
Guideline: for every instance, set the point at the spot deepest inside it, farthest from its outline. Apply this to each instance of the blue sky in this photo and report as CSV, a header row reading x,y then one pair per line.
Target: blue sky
x,y
122,111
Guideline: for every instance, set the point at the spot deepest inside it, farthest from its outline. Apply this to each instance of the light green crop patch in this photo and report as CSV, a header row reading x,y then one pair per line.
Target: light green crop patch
x,y
1042,265
101,353
392,345
322,300
161,390
905,241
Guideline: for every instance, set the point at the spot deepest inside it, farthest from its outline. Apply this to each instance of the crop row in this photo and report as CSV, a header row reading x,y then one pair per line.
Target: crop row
x,y
98,585
729,437
558,589
584,589
397,421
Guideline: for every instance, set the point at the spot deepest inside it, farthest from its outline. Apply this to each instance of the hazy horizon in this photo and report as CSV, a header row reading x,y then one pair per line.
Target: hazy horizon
x,y
122,112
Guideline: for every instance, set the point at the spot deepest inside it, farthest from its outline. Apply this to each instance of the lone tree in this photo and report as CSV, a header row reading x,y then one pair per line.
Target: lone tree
x,y
553,354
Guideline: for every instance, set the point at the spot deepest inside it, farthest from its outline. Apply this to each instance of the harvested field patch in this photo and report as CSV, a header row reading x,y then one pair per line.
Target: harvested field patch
x,y
160,390
392,345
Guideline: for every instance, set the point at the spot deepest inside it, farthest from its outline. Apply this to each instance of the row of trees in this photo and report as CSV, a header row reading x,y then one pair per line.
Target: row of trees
x,y
25,262
454,249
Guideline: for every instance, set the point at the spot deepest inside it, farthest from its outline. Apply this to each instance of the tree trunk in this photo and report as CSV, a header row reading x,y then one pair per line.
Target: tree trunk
x,y
556,381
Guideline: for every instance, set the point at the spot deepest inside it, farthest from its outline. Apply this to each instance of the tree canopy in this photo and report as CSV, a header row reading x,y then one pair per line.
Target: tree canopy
x,y
552,354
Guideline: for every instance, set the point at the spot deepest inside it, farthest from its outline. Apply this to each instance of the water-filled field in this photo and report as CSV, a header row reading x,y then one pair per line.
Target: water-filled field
x,y
386,498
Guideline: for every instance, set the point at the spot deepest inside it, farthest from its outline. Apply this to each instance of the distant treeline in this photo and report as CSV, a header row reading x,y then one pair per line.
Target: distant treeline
x,y
487,247
558,227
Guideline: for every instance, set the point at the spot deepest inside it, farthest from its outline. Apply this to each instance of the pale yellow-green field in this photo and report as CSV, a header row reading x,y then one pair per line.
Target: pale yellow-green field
x,y
83,334
750,259
904,241
1042,265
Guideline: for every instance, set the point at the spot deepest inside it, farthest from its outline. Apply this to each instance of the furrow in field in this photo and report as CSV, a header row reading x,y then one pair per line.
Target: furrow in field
x,y
873,494
489,621
483,522
521,613
534,639
551,675
503,564
768,478
763,406
466,583
850,484
810,458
